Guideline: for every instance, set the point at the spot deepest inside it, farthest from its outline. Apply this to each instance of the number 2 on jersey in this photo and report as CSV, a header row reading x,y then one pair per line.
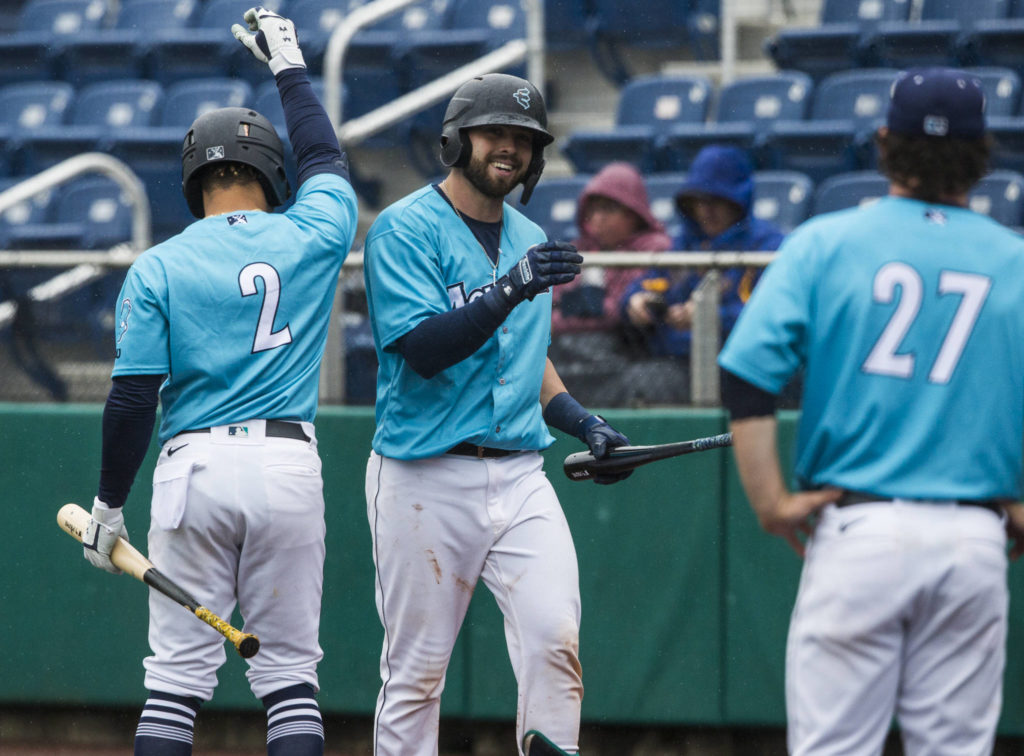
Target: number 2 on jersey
x,y
266,337
884,358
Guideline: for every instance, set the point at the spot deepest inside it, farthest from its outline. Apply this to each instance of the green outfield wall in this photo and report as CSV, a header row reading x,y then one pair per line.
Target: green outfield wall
x,y
685,600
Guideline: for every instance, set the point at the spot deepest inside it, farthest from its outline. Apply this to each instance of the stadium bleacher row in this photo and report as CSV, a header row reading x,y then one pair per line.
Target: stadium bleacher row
x,y
786,198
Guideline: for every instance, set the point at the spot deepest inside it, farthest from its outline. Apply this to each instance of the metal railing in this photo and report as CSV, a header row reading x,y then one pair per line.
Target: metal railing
x,y
87,265
530,49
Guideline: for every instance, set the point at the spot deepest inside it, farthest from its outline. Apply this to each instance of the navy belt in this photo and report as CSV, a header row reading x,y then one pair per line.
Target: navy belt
x,y
275,429
466,449
849,498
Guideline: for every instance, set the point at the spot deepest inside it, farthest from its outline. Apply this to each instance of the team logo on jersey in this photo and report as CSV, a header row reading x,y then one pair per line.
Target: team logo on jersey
x,y
935,216
458,297
234,220
122,320
522,96
215,153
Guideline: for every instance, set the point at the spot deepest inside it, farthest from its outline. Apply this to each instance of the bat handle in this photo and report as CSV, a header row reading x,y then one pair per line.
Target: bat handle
x,y
246,643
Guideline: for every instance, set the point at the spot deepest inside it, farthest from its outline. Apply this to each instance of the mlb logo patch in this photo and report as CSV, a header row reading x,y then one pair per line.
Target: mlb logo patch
x,y
936,216
239,431
215,153
234,220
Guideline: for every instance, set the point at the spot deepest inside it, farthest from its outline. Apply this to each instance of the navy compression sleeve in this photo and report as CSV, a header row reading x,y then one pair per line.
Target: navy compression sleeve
x,y
309,129
744,399
128,418
448,338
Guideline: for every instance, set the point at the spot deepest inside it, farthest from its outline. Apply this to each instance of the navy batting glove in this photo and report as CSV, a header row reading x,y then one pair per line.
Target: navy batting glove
x,y
601,437
543,266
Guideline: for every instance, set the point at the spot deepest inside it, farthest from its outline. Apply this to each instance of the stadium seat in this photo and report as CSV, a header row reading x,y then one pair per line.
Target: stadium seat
x,y
847,108
659,23
189,99
782,197
553,206
1002,90
566,24
88,213
34,210
834,45
1008,150
849,190
996,42
206,49
1000,195
33,104
97,112
746,108
118,53
648,106
933,40
30,54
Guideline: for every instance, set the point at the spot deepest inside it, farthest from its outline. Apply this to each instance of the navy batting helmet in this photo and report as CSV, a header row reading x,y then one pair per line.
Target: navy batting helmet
x,y
496,99
233,135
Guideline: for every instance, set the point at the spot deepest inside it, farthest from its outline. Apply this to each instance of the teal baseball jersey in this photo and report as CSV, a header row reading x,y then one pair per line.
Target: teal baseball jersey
x,y
248,344
421,260
908,319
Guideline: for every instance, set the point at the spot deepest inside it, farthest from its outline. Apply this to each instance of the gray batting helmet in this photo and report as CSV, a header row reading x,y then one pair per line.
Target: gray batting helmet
x,y
496,99
235,135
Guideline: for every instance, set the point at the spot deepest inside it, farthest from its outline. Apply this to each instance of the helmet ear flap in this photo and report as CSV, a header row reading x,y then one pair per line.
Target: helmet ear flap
x,y
455,151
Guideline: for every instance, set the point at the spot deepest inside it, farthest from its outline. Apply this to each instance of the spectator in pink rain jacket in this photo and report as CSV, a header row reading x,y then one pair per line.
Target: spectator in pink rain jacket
x,y
613,214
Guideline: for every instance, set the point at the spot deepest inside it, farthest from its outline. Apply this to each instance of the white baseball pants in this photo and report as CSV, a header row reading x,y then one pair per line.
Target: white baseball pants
x,y
902,610
439,525
237,517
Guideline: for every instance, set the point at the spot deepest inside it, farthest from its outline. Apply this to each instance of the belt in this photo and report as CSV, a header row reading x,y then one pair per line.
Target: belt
x,y
274,429
849,498
466,449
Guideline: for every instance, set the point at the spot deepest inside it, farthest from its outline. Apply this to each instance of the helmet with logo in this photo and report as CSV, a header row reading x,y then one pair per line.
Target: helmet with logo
x,y
233,135
496,99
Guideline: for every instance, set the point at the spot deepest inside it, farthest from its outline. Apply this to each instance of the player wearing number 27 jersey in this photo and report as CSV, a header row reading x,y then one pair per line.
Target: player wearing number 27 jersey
x,y
907,319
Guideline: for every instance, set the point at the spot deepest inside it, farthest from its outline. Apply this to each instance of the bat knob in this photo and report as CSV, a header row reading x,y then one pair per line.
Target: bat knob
x,y
249,646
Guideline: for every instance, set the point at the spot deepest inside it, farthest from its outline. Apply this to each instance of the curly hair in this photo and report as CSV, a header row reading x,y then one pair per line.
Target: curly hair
x,y
933,168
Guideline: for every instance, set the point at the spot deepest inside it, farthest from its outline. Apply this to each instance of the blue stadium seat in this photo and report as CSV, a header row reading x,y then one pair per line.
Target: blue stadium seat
x,y
28,212
553,206
88,213
33,104
120,52
847,108
658,23
30,54
996,42
1008,135
935,39
833,45
849,190
648,106
746,108
1002,90
98,111
1000,195
783,197
206,49
566,24
189,99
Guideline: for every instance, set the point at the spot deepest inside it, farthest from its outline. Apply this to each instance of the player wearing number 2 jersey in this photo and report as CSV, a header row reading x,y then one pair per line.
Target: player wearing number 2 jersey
x,y
906,316
228,320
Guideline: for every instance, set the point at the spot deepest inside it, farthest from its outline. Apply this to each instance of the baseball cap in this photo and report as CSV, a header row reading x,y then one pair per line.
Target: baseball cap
x,y
940,102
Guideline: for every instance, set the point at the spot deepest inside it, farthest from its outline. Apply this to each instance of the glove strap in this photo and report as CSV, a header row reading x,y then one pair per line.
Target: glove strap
x,y
288,57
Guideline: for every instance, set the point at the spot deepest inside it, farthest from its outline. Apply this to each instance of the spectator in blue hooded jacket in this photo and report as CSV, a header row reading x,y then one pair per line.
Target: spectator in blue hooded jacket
x,y
715,204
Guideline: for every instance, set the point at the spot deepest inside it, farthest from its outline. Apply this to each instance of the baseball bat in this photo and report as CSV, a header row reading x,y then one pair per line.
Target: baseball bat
x,y
583,465
74,520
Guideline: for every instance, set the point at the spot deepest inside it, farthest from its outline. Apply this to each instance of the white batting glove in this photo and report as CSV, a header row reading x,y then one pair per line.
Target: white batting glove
x,y
105,527
274,42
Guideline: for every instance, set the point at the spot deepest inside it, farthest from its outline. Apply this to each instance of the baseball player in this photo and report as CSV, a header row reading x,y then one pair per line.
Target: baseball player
x,y
906,316
228,321
458,286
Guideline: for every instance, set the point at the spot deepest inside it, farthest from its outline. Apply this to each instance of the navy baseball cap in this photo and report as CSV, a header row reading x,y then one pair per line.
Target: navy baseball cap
x,y
940,102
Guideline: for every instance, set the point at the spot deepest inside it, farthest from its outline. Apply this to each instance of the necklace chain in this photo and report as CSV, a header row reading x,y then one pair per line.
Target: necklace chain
x,y
494,262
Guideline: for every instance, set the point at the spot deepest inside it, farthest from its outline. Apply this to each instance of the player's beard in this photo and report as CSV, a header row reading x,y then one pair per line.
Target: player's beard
x,y
477,175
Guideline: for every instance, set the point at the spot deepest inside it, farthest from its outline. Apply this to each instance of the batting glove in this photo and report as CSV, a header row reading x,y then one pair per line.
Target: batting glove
x,y
601,437
105,527
543,266
274,42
